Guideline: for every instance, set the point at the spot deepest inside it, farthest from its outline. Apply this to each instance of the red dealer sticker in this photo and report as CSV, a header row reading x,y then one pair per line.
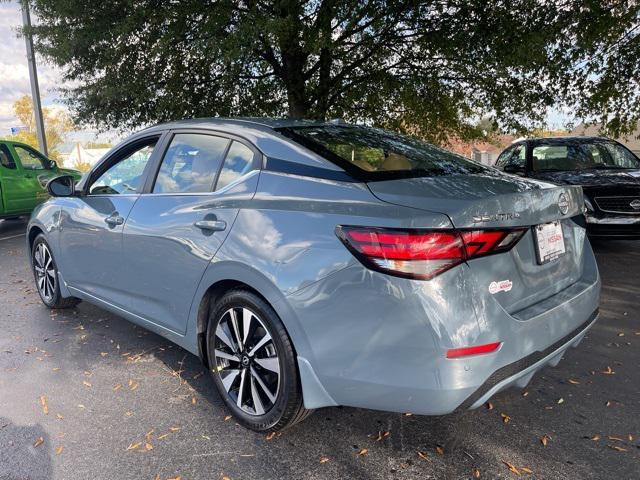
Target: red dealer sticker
x,y
501,286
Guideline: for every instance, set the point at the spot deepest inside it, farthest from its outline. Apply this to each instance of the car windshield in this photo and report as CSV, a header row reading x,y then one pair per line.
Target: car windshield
x,y
373,154
583,156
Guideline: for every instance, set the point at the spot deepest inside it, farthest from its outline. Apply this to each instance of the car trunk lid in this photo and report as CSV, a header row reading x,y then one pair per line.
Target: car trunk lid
x,y
500,201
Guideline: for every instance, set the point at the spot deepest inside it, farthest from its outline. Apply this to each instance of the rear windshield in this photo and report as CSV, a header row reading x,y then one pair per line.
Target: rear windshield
x,y
373,154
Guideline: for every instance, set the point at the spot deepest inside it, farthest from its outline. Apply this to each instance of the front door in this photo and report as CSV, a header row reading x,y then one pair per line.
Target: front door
x,y
14,188
175,229
91,224
29,178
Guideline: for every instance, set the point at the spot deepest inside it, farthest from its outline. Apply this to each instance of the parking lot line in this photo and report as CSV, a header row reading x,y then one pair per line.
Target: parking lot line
x,y
12,236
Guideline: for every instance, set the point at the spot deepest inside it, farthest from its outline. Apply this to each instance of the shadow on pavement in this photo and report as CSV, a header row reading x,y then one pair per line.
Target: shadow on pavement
x,y
18,442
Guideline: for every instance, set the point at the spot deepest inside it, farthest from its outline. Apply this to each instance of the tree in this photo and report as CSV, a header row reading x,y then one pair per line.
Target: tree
x,y
56,125
426,67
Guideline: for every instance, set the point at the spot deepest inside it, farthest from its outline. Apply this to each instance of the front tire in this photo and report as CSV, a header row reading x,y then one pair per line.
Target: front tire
x,y
45,273
253,363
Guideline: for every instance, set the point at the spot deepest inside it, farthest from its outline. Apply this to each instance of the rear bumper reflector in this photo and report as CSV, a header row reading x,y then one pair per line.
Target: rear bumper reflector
x,y
474,350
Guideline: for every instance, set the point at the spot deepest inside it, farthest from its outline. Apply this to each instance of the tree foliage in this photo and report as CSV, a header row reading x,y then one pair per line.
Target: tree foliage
x,y
426,67
56,125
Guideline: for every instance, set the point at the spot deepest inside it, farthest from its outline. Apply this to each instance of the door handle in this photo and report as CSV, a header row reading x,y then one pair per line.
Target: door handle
x,y
114,219
211,225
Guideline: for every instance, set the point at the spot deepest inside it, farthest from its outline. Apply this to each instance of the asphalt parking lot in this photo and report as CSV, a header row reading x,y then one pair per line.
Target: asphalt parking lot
x,y
86,395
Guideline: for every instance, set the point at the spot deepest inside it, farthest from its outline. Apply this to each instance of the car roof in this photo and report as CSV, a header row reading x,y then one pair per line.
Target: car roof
x,y
568,139
260,123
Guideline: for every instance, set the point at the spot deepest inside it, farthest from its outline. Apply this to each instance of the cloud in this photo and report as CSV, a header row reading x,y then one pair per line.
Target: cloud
x,y
14,72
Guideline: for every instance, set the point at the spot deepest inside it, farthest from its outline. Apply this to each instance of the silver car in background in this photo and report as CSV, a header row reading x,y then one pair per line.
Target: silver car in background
x,y
320,264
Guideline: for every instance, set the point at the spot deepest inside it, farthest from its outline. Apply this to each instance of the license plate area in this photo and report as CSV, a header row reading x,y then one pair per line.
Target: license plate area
x,y
549,241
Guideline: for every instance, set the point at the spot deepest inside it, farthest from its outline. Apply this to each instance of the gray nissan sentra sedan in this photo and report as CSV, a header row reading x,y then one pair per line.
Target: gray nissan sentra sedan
x,y
319,264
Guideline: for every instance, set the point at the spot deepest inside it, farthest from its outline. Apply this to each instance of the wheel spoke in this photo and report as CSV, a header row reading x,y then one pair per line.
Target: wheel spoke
x,y
270,363
222,335
255,396
260,344
236,330
228,356
243,375
246,324
228,380
50,285
52,273
266,390
39,269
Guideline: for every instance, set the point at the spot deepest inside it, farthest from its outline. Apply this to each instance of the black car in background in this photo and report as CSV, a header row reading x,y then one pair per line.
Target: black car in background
x,y
608,172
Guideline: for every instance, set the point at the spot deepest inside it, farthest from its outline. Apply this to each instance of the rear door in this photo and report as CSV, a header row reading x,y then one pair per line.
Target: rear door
x,y
91,224
178,224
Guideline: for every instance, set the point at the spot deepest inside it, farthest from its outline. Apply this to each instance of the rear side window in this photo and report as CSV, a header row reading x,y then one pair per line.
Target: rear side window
x,y
374,154
5,158
238,162
190,164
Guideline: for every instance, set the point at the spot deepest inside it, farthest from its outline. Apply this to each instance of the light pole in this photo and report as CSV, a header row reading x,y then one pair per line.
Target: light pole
x,y
33,75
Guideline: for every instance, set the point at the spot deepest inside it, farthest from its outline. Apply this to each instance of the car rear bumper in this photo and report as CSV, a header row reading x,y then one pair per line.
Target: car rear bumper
x,y
380,343
520,372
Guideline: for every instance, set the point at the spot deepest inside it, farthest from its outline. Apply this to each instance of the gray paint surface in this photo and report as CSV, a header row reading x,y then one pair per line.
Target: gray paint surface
x,y
363,338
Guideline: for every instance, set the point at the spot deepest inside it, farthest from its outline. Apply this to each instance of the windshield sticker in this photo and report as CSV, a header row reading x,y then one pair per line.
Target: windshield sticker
x,y
501,286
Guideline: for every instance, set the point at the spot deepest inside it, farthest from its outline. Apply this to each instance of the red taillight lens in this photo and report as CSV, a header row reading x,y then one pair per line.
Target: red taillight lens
x,y
422,254
475,350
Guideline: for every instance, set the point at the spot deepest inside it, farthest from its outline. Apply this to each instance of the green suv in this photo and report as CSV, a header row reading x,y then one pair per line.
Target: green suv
x,y
24,173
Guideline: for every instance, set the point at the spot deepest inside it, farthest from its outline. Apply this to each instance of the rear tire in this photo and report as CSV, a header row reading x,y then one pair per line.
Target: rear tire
x,y
261,386
45,272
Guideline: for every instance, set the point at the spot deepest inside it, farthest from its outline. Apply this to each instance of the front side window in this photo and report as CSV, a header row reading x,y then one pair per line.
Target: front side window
x,y
374,154
238,162
583,156
125,176
5,158
190,164
30,159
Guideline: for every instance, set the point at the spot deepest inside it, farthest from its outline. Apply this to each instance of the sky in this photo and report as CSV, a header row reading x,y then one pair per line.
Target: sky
x,y
14,79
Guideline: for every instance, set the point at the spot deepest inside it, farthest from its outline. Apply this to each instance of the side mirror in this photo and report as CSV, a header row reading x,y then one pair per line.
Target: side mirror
x,y
513,169
52,165
62,186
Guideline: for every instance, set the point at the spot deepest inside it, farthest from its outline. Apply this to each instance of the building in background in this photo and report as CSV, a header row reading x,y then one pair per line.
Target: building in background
x,y
632,142
484,152
82,158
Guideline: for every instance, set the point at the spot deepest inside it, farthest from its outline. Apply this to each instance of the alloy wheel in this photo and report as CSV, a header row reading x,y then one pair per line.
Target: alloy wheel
x,y
45,271
246,361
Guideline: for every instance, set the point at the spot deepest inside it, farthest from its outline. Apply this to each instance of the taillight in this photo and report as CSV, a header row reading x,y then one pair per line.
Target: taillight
x,y
423,254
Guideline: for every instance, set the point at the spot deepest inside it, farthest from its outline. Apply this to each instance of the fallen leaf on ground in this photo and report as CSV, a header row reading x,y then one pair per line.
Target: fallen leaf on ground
x,y
228,417
595,438
615,447
544,440
525,470
574,382
59,450
324,459
560,400
193,400
134,446
608,371
505,418
512,468
45,405
489,406
148,446
117,387
423,456
59,417
38,442
476,473
163,436
86,384
382,436
271,435
617,439
439,450
174,429
363,451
